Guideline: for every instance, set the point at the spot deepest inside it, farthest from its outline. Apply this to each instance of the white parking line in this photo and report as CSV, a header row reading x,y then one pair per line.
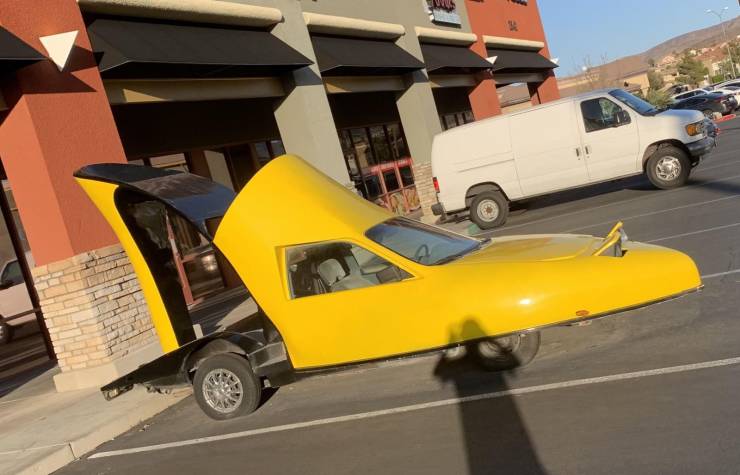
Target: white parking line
x,y
423,406
692,233
653,213
720,274
606,205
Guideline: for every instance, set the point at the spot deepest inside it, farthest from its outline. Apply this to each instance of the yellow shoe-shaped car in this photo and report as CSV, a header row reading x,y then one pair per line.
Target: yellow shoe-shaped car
x,y
338,280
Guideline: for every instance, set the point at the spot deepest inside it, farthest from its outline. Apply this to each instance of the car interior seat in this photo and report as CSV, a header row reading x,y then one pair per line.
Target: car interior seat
x,y
336,278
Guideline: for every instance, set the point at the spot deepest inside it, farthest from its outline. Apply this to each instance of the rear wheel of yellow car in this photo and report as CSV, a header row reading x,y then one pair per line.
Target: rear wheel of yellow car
x,y
225,387
512,351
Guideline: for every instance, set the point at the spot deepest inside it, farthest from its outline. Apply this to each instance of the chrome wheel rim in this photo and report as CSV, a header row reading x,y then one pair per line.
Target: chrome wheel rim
x,y
499,347
668,168
222,390
488,210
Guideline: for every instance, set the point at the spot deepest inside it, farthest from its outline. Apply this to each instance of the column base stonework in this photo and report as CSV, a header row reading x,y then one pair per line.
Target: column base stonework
x,y
97,317
425,189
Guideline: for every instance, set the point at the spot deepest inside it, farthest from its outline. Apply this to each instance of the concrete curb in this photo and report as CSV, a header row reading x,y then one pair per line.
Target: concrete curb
x,y
44,460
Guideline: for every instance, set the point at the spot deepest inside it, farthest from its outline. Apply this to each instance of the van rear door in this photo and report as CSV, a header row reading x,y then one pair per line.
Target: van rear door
x,y
547,149
610,138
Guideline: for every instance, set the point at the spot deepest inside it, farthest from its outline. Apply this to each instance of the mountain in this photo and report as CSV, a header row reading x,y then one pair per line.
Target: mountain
x,y
693,40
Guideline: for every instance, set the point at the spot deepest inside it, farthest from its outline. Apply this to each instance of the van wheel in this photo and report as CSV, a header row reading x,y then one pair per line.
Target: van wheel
x,y
225,387
668,167
6,332
509,352
489,209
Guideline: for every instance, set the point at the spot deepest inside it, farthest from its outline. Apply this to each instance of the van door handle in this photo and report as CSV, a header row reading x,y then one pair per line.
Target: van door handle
x,y
588,150
578,152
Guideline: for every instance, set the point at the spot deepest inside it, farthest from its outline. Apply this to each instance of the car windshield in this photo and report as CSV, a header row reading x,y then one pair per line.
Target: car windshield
x,y
633,102
423,244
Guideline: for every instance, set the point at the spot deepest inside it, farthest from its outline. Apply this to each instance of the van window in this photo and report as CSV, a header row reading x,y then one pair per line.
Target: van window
x,y
599,114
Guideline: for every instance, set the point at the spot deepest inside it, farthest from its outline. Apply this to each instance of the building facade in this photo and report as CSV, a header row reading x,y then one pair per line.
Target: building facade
x,y
218,88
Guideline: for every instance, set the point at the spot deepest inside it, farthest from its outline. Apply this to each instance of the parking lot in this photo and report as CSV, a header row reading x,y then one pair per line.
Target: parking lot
x,y
648,391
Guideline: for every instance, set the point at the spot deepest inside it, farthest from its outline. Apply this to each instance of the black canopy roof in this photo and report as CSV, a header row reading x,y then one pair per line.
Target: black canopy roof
x,y
338,56
137,50
14,53
516,61
446,59
196,198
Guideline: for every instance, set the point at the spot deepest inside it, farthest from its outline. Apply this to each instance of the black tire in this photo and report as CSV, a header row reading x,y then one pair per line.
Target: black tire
x,y
233,367
498,207
668,156
6,332
499,354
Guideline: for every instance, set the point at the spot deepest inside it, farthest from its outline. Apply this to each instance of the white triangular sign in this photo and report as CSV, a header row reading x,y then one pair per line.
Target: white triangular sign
x,y
492,59
59,47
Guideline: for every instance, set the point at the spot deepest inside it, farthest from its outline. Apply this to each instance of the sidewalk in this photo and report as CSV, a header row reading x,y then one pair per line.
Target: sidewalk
x,y
42,430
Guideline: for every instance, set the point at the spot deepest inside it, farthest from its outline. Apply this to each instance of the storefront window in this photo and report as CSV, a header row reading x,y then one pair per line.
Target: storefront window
x,y
372,187
362,147
397,141
407,176
391,180
450,121
381,147
379,164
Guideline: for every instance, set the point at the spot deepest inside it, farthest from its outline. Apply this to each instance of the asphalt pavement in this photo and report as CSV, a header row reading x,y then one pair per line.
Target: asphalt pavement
x,y
651,391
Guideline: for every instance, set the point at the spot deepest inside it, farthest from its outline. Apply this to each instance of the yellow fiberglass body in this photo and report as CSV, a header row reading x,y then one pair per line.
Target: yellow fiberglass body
x,y
507,285
345,281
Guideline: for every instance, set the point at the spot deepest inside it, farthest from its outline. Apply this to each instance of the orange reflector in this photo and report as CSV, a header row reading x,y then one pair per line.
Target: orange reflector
x,y
582,313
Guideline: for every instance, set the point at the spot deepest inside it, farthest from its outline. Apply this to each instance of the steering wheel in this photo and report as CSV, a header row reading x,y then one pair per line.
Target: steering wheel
x,y
421,253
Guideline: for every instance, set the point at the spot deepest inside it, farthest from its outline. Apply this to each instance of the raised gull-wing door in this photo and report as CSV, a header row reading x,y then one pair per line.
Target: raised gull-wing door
x,y
134,200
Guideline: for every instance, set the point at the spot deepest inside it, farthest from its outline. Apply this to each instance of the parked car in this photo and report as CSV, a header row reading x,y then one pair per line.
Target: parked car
x,y
733,91
731,82
687,94
708,104
345,281
577,141
16,308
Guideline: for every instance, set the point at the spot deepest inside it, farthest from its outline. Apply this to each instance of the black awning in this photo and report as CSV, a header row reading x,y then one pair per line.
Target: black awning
x,y
360,57
139,50
445,59
516,61
15,54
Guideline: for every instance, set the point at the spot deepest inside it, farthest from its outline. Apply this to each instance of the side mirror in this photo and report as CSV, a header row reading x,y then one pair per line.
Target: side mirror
x,y
622,117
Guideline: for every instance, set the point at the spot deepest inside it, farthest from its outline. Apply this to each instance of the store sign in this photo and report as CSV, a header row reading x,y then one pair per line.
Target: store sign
x,y
443,11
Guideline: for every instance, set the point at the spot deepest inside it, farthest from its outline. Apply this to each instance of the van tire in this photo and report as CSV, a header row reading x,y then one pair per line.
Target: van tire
x,y
238,374
661,168
489,209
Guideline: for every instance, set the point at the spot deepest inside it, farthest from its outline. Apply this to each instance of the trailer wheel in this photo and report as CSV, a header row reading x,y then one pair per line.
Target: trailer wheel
x,y
225,387
489,209
509,352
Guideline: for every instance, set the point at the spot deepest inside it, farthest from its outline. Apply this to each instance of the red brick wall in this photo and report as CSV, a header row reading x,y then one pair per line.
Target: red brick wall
x,y
492,17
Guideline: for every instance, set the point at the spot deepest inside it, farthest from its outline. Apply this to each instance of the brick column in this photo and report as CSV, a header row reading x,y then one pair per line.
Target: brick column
x,y
425,189
96,315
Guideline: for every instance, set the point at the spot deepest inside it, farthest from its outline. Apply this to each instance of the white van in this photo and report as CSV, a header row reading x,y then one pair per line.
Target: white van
x,y
573,142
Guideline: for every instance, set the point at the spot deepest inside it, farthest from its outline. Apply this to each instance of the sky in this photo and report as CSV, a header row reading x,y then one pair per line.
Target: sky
x,y
577,29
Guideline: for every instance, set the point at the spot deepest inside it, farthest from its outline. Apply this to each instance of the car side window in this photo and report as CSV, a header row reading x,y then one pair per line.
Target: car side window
x,y
12,273
328,267
599,114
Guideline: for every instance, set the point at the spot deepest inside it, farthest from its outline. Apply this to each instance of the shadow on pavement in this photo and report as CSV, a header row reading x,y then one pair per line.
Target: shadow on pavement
x,y
495,436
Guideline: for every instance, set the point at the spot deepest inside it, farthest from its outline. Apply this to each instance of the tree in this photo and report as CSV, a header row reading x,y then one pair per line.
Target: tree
x,y
655,80
659,99
651,62
691,70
